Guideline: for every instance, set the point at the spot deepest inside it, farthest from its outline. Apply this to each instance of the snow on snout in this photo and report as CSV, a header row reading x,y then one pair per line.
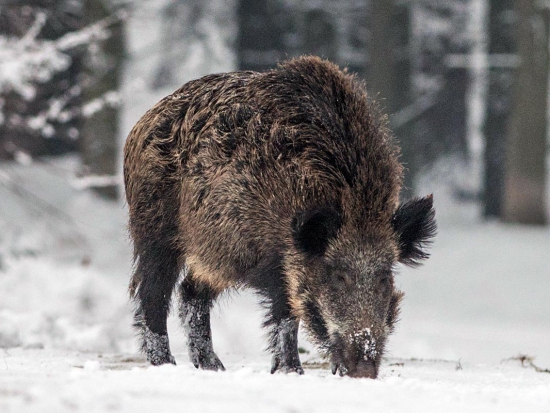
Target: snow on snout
x,y
364,338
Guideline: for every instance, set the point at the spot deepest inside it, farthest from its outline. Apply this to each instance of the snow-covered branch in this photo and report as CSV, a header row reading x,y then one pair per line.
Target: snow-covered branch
x,y
58,112
29,60
89,34
414,110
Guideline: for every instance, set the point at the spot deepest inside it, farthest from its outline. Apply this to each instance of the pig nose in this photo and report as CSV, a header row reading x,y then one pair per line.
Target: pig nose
x,y
364,368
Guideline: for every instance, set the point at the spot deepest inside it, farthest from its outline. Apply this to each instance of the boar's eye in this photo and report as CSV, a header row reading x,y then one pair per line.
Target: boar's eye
x,y
384,281
341,278
313,229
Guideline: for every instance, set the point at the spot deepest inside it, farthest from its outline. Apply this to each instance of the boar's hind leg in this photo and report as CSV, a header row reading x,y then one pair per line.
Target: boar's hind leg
x,y
196,302
157,271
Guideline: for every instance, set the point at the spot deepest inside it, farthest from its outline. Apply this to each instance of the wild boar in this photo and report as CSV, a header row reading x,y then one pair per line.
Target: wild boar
x,y
286,182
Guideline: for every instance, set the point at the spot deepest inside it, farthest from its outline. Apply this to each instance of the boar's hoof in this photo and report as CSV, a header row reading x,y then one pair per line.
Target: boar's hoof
x,y
159,358
207,361
338,368
286,366
157,349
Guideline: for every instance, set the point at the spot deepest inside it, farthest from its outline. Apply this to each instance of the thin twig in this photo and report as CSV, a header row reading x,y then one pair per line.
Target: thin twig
x,y
35,29
95,31
527,361
414,110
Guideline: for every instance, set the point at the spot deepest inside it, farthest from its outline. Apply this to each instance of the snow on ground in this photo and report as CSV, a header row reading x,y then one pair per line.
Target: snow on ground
x,y
66,343
45,381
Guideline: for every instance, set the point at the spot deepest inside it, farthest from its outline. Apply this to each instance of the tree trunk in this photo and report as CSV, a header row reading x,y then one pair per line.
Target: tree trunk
x,y
501,42
102,72
388,80
320,35
525,180
260,39
381,77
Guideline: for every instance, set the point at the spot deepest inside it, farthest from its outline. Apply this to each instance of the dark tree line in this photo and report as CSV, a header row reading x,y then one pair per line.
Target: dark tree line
x,y
415,55
404,66
420,73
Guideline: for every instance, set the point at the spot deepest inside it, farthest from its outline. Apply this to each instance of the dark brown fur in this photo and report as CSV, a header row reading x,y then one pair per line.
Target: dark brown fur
x,y
266,180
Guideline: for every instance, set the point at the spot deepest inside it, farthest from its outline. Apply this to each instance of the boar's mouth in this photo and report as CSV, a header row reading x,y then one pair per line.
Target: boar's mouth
x,y
364,368
349,360
353,358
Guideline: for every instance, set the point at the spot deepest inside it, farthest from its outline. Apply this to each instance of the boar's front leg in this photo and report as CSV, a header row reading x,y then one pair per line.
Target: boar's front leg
x,y
269,280
197,300
284,346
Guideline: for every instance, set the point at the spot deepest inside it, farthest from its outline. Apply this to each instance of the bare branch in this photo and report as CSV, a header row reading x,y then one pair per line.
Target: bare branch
x,y
414,110
527,361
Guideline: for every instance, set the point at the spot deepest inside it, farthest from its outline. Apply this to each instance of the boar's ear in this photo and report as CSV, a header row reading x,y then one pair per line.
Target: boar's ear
x,y
312,230
415,226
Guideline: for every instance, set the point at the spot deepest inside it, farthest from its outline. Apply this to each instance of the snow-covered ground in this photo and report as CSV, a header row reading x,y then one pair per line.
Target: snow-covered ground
x,y
66,343
64,381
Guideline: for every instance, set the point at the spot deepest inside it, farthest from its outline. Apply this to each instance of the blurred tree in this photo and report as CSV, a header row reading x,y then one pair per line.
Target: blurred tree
x,y
260,39
197,37
273,30
320,35
389,73
382,63
102,70
501,74
30,121
436,117
527,134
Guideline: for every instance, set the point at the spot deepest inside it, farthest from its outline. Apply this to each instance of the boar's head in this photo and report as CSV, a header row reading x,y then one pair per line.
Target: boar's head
x,y
343,285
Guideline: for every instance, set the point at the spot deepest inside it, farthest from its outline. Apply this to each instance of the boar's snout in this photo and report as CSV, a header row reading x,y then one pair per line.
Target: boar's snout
x,y
353,364
364,368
